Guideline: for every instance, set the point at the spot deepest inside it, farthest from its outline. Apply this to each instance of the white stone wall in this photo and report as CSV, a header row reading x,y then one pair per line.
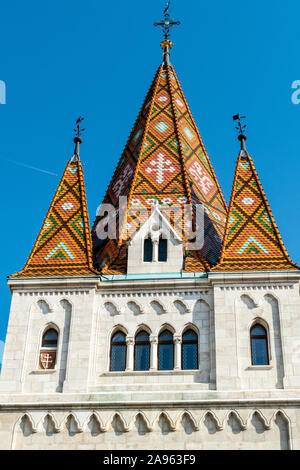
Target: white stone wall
x,y
179,429
221,308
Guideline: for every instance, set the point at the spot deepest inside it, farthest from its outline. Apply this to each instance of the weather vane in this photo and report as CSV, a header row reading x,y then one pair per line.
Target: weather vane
x,y
78,131
240,127
166,24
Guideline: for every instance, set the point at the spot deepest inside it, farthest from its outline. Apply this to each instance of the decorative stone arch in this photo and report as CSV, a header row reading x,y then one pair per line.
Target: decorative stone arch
x,y
248,301
165,415
70,416
116,328
145,419
238,417
143,327
189,326
117,415
94,414
64,302
201,306
44,306
182,306
137,306
211,414
166,326
17,426
281,413
112,308
158,307
56,426
261,416
192,419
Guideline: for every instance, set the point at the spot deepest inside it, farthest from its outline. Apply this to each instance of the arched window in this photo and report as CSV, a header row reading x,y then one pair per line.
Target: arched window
x,y
48,349
142,351
118,352
189,350
259,346
163,249
165,351
148,250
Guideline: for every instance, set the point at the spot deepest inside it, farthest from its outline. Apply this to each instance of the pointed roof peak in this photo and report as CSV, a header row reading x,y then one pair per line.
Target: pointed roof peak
x,y
252,241
63,246
164,160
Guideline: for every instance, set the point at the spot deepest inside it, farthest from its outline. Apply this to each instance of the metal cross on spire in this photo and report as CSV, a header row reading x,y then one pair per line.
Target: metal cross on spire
x,y
166,24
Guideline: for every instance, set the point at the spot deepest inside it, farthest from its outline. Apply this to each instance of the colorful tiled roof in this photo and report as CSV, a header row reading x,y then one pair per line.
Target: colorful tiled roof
x,y
165,161
252,241
63,246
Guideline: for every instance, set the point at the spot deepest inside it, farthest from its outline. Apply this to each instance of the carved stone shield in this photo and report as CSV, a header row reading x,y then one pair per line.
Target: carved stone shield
x,y
48,360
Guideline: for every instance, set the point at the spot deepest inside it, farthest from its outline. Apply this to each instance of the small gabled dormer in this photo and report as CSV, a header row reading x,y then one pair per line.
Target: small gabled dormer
x,y
155,247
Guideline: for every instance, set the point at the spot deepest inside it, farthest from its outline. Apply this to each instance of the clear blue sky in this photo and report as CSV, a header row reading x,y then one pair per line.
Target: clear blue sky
x,y
60,59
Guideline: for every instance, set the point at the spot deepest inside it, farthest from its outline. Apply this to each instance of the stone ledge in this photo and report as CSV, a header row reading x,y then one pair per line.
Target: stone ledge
x,y
150,373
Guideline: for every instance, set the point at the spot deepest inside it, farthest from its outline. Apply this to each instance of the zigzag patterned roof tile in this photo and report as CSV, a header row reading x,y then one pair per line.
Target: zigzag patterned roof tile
x,y
63,246
164,161
252,241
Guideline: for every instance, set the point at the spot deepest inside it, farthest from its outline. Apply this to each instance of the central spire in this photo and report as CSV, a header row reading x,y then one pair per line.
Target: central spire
x,y
165,25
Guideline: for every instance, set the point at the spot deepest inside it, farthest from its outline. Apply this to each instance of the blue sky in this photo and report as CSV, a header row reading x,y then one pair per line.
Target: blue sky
x,y
60,59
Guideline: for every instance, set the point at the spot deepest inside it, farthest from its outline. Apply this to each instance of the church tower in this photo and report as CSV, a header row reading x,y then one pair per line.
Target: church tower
x,y
174,322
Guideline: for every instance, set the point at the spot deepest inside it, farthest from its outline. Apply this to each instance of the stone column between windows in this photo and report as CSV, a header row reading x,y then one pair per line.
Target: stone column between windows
x,y
130,353
153,352
155,250
177,356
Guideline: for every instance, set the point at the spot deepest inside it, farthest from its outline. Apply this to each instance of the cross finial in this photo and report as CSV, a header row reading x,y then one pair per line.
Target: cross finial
x,y
241,130
166,24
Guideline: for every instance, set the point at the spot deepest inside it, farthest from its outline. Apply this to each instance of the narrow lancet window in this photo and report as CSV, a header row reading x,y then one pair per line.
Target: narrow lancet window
x,y
118,352
142,351
165,351
163,250
48,350
259,346
148,250
189,350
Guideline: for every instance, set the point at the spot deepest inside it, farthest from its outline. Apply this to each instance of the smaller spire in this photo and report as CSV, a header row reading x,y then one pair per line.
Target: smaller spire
x,y
242,136
77,140
165,25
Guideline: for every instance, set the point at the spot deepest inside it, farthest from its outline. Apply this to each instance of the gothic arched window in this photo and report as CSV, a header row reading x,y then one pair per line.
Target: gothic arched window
x,y
118,352
48,349
142,351
148,250
163,249
259,346
165,351
189,350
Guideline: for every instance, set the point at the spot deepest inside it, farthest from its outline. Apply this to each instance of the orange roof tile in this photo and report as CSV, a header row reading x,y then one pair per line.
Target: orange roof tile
x,y
63,246
164,160
252,241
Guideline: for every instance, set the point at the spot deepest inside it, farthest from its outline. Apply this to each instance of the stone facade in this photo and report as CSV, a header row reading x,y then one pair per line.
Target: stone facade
x,y
226,404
